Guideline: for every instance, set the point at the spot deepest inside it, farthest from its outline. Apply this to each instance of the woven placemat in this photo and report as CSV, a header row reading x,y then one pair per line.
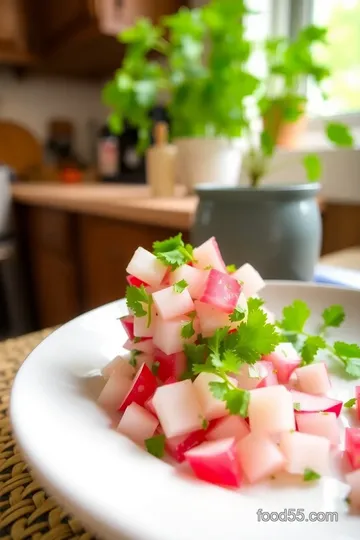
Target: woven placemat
x,y
26,511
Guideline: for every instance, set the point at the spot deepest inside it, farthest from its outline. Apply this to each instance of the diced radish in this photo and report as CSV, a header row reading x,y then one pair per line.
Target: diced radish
x,y
285,360
271,410
352,446
169,365
171,304
259,375
137,424
194,277
259,457
177,446
303,451
135,282
141,328
166,279
211,406
145,345
120,365
313,379
357,390
353,479
321,424
171,380
142,388
145,266
177,408
208,256
306,403
114,391
128,325
216,462
167,334
143,358
221,291
210,318
251,279
230,426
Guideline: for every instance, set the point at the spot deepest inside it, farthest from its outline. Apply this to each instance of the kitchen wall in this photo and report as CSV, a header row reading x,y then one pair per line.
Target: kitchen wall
x,y
32,101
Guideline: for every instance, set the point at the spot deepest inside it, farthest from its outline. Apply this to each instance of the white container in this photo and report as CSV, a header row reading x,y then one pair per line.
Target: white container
x,y
160,164
208,160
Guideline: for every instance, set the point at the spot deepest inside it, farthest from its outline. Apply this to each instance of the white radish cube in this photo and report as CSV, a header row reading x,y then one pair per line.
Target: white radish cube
x,y
353,479
309,403
259,375
167,334
178,408
252,281
216,462
210,318
303,451
171,304
230,426
114,391
145,345
321,424
313,379
259,457
145,266
208,256
211,406
137,423
141,328
271,410
177,446
120,365
285,360
221,291
194,277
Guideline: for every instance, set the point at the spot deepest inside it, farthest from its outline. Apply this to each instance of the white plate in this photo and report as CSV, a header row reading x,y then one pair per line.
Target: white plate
x,y
120,491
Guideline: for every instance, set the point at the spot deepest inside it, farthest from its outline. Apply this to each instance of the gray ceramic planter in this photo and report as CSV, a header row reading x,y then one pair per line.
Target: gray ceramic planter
x,y
275,228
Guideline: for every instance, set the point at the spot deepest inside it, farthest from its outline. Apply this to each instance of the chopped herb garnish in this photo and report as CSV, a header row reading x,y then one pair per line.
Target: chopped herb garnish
x,y
156,445
187,331
173,252
137,339
180,286
350,403
137,298
297,406
310,475
205,423
231,268
155,368
208,267
133,355
237,315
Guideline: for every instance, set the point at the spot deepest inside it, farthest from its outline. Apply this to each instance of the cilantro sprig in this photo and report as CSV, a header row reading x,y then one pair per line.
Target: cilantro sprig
x,y
188,330
350,403
173,252
310,475
180,286
292,328
137,298
156,445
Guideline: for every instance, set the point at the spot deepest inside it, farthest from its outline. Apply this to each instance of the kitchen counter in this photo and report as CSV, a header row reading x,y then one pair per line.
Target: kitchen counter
x,y
129,203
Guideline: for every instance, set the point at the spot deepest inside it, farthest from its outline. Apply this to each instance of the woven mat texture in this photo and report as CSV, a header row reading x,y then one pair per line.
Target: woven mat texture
x,y
26,512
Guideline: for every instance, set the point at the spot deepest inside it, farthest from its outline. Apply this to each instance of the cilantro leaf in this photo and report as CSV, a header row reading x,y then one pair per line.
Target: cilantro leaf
x,y
187,331
230,362
231,268
297,406
215,341
352,367
173,252
310,349
180,286
237,315
310,475
350,403
295,316
156,445
195,355
219,389
206,367
346,350
133,360
333,316
155,368
254,304
237,401
205,423
136,297
255,337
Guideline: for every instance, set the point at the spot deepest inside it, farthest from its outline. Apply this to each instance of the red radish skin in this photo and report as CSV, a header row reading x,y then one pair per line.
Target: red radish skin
x,y
357,391
310,403
216,462
128,325
171,380
135,282
221,291
169,365
352,446
150,407
142,388
177,446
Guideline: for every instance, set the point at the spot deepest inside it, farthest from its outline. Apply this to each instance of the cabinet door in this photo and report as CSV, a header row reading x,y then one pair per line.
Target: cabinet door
x,y
12,31
106,249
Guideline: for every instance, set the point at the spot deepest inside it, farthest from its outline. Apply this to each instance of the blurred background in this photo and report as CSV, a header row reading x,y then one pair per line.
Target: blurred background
x,y
69,216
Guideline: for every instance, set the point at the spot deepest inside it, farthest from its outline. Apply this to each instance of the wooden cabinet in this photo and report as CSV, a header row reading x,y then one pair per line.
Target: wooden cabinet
x,y
13,33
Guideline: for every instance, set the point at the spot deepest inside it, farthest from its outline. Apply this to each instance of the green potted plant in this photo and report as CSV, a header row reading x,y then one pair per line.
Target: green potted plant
x,y
200,73
277,228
